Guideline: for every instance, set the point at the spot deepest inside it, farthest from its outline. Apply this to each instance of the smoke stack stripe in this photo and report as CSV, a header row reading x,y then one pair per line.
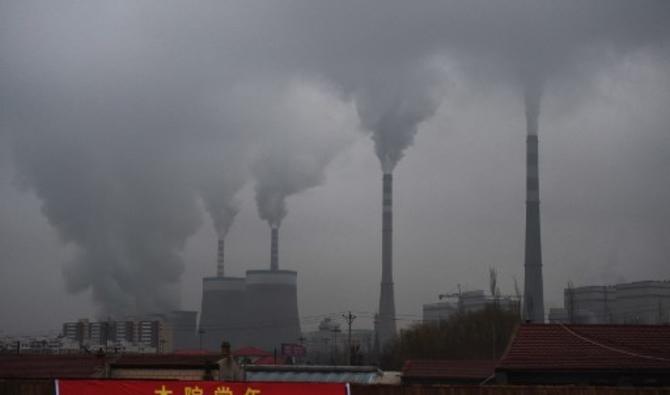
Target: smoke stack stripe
x,y
274,249
533,287
219,260
386,329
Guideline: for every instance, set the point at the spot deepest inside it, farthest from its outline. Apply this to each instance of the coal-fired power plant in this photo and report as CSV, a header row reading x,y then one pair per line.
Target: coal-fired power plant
x,y
533,298
386,326
222,315
260,310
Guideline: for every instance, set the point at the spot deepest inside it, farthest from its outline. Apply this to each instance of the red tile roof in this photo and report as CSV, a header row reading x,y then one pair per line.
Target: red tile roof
x,y
448,369
270,360
51,366
164,360
557,347
251,352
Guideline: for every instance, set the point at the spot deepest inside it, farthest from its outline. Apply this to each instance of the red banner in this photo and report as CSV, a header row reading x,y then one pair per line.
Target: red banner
x,y
158,387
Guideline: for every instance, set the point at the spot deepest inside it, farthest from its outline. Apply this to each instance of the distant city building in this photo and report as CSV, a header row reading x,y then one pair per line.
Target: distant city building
x,y
467,301
329,343
642,302
37,345
149,334
439,311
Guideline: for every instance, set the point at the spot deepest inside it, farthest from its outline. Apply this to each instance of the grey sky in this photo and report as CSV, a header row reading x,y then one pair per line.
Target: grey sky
x,y
120,122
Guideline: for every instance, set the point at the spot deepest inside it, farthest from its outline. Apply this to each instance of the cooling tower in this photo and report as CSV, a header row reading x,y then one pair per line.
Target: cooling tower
x,y
272,308
182,325
533,299
386,327
222,315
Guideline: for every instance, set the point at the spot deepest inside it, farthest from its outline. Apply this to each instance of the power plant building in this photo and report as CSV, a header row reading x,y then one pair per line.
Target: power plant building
x,y
466,302
182,326
222,315
260,310
642,302
271,307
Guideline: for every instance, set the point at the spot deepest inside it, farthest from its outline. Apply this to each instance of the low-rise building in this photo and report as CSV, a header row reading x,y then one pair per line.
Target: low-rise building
x,y
447,371
329,344
559,354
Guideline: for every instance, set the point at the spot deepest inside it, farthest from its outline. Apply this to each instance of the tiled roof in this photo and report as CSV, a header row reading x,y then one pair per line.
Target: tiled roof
x,y
313,373
251,352
165,360
51,366
448,369
270,360
558,347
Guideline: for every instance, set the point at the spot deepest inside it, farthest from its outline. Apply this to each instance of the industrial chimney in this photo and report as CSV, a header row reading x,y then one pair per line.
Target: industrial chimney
x,y
386,326
533,297
219,259
274,248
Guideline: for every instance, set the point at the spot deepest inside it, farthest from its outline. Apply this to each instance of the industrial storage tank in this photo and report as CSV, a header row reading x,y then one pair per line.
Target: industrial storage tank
x,y
272,308
222,314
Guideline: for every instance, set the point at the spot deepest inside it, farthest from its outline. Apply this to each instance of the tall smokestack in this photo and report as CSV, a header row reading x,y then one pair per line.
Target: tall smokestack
x,y
386,327
533,298
274,248
219,260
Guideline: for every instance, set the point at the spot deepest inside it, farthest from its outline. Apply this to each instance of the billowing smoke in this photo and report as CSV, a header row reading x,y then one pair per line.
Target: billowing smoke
x,y
128,218
392,107
222,177
119,143
301,142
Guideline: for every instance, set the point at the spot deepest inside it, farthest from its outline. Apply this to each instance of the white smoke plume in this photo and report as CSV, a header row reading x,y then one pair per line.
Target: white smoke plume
x,y
300,144
392,107
223,175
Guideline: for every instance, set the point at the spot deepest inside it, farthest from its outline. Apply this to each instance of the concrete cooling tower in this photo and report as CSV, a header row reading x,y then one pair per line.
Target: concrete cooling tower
x,y
222,314
182,326
272,308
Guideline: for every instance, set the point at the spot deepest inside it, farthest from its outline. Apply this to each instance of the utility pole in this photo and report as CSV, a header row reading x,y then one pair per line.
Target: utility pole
x,y
350,319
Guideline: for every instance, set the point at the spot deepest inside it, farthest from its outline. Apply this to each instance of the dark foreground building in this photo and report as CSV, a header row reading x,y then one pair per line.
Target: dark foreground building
x,y
424,371
618,355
